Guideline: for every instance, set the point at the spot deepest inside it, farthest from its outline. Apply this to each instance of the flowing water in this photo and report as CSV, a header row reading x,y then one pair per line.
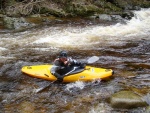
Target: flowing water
x,y
123,47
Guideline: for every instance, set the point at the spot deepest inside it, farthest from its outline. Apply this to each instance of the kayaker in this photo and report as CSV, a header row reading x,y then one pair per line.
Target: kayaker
x,y
63,62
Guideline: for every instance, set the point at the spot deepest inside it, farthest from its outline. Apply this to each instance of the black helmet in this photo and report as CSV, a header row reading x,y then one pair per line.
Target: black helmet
x,y
63,54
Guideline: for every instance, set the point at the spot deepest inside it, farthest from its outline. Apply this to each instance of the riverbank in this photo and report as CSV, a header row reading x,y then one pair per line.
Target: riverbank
x,y
71,8
23,15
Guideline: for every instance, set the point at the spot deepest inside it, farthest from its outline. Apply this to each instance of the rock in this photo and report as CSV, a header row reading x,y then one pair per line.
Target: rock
x,y
147,109
117,18
126,99
36,15
26,107
127,15
16,23
132,4
1,15
124,4
100,108
82,9
8,22
105,17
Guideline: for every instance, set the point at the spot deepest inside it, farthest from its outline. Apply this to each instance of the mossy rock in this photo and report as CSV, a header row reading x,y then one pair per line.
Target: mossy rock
x,y
147,109
126,99
55,12
76,9
132,4
124,4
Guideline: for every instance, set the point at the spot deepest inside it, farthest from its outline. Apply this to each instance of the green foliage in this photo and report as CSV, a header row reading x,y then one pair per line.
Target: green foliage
x,y
61,8
11,2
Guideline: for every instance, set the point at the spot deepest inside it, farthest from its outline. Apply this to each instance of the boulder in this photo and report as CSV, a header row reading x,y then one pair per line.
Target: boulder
x,y
16,23
126,99
105,17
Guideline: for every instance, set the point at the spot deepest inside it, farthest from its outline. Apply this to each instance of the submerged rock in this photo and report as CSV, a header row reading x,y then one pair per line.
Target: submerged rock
x,y
26,107
126,99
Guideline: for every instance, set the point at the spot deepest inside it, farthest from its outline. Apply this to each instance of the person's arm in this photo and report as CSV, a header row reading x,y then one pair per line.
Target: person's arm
x,y
56,64
77,63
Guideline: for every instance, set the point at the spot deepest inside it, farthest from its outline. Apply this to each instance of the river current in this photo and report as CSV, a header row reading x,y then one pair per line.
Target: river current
x,y
123,47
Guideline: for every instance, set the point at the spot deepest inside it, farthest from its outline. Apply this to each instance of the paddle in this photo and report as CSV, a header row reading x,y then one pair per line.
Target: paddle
x,y
89,61
92,59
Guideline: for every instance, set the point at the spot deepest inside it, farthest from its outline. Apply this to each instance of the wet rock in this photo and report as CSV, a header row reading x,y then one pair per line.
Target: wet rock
x,y
16,23
101,108
127,15
81,9
147,109
126,99
123,4
116,17
131,4
26,107
105,17
107,6
1,15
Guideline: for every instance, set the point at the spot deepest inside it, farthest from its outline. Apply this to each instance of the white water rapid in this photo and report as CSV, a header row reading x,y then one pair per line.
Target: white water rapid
x,y
136,28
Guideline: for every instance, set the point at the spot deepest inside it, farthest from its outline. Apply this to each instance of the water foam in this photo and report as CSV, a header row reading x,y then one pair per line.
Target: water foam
x,y
82,37
77,84
137,27
2,49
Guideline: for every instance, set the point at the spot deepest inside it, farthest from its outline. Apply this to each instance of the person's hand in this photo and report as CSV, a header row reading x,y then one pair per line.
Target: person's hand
x,y
65,62
60,79
82,65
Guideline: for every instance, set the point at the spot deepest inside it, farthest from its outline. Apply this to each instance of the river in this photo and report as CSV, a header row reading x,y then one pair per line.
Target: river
x,y
123,47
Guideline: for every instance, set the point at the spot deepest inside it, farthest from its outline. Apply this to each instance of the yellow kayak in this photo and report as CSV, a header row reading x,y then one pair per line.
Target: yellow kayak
x,y
87,74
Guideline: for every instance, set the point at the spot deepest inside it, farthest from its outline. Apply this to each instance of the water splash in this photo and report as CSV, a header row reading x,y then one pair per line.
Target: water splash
x,y
147,98
77,84
139,24
101,108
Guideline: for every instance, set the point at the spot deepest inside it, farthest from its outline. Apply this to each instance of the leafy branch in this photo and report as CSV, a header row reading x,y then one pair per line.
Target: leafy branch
x,y
25,7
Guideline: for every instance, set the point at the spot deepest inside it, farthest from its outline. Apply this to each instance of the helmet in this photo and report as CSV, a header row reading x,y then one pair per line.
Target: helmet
x,y
63,54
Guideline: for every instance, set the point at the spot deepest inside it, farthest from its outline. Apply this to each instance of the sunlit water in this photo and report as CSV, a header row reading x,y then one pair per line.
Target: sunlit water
x,y
125,48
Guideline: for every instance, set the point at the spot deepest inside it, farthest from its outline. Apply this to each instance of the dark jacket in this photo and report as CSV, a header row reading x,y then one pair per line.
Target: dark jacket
x,y
58,64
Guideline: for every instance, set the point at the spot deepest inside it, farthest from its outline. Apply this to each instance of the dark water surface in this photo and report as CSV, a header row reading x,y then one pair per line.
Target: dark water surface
x,y
125,48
